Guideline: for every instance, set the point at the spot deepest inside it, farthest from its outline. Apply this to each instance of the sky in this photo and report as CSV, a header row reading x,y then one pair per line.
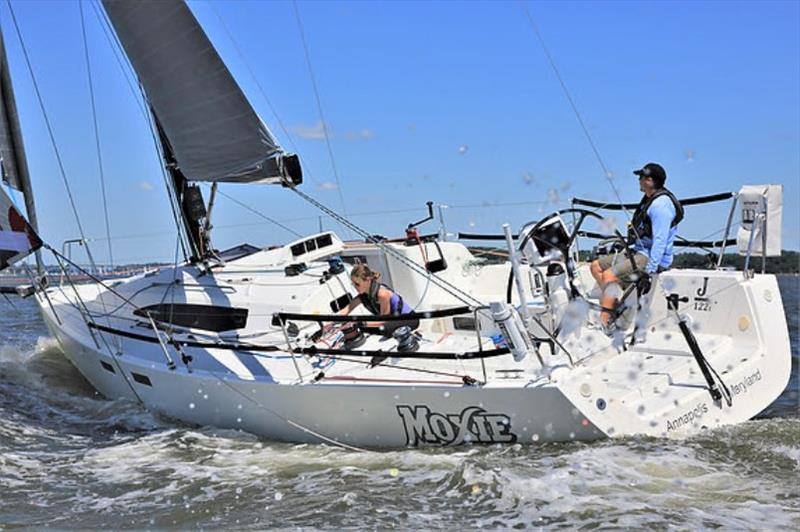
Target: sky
x,y
450,102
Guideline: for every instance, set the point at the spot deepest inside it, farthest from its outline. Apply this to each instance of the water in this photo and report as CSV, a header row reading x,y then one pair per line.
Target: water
x,y
70,458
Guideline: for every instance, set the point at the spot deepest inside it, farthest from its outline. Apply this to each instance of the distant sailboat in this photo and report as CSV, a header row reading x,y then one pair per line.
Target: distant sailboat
x,y
505,352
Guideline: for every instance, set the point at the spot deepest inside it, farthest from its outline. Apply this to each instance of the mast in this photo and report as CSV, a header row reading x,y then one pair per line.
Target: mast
x,y
189,201
13,163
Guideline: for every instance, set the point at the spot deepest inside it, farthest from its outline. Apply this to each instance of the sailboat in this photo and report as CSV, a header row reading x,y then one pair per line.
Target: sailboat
x,y
251,338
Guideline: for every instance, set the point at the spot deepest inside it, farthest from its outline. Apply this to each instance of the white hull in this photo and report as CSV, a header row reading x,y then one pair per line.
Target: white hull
x,y
653,388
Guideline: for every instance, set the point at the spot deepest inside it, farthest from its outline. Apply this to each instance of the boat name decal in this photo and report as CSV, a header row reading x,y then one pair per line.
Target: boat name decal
x,y
472,425
692,415
744,385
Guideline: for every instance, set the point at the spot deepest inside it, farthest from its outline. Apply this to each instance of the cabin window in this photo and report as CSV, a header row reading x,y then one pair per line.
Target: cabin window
x,y
207,317
311,244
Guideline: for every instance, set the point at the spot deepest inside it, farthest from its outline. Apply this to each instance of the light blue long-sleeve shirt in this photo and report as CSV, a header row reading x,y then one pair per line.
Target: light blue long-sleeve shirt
x,y
659,248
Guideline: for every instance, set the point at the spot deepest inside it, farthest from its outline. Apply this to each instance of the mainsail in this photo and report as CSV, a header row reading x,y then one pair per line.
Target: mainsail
x,y
213,132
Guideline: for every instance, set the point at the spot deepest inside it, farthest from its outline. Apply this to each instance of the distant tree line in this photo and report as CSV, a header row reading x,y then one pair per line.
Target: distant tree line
x,y
788,262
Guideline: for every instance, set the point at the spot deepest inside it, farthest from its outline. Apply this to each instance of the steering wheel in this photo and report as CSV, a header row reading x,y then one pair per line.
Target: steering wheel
x,y
529,234
583,214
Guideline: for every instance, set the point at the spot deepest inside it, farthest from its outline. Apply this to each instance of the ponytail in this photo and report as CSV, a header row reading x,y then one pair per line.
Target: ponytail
x,y
363,272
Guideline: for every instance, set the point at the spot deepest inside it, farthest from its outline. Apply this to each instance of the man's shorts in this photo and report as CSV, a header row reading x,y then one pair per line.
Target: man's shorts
x,y
620,264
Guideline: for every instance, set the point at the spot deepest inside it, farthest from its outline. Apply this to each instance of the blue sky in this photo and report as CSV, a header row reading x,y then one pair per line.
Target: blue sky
x,y
453,102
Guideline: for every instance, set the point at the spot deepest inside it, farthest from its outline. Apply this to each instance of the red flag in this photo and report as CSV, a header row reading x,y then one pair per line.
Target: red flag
x,y
17,237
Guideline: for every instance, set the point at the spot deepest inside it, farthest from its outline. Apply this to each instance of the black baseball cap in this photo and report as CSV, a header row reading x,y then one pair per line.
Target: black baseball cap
x,y
654,170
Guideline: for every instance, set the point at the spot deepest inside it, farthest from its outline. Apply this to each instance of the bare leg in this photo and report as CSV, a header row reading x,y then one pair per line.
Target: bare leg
x,y
597,272
609,299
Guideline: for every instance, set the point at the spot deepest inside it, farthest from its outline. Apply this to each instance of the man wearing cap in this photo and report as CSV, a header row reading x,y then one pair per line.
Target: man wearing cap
x,y
651,233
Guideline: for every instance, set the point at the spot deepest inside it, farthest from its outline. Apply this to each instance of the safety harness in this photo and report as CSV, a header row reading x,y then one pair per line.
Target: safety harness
x,y
370,299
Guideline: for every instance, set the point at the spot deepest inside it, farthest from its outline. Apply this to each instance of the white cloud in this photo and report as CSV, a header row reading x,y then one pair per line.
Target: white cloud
x,y
364,134
315,132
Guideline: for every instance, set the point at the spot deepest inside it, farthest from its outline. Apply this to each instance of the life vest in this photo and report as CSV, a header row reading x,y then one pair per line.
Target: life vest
x,y
370,300
641,225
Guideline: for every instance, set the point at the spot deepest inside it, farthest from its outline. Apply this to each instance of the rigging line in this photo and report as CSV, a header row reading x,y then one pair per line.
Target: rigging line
x,y
393,366
580,119
95,279
114,48
290,422
254,211
498,204
142,103
50,132
96,133
88,319
572,104
172,194
315,217
319,105
118,345
261,90
453,290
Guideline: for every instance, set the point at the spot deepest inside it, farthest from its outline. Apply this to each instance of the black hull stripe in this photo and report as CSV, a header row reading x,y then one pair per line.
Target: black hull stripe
x,y
184,343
